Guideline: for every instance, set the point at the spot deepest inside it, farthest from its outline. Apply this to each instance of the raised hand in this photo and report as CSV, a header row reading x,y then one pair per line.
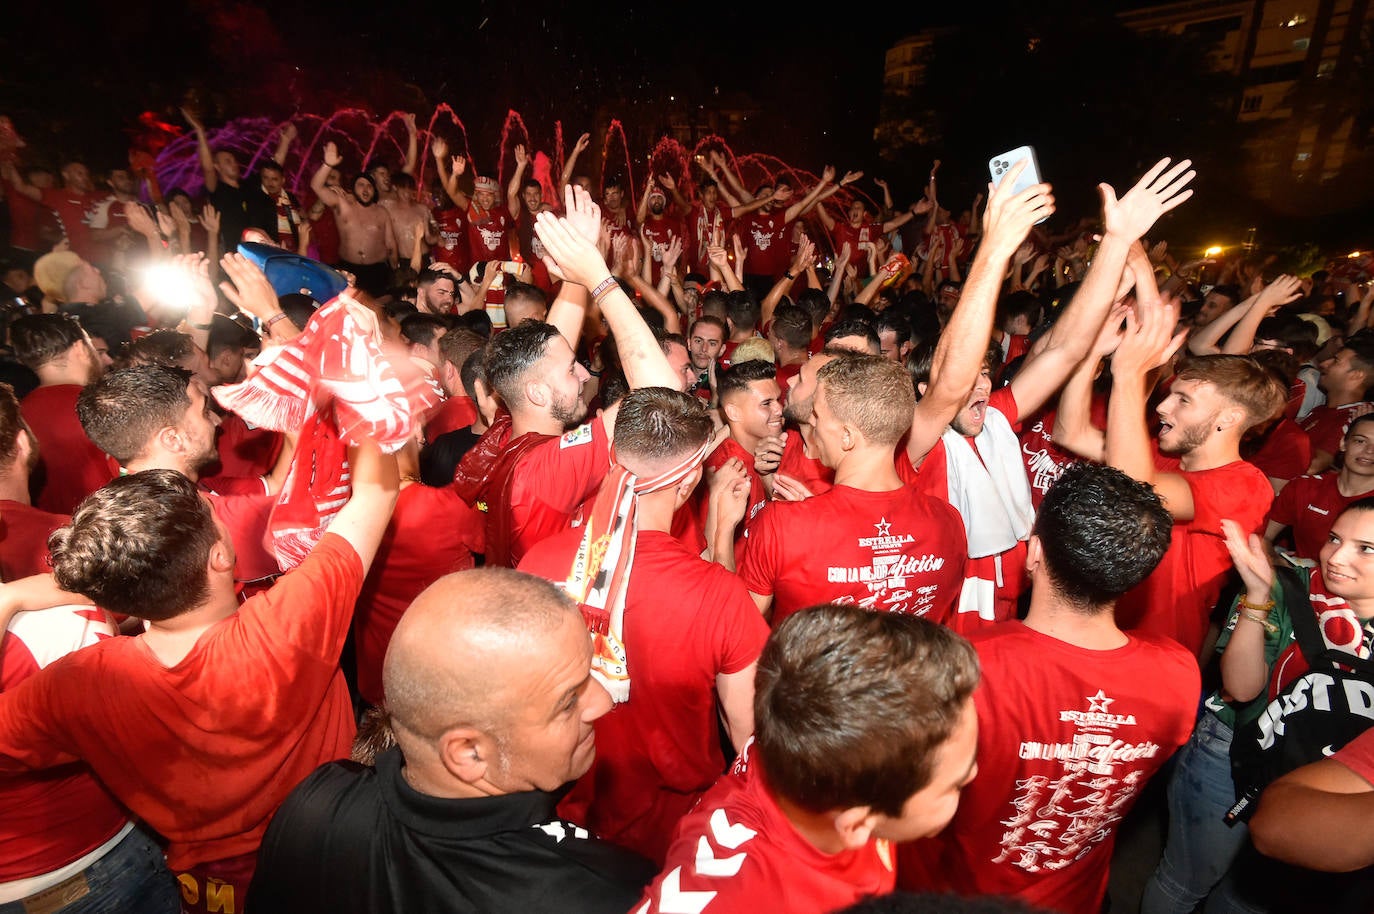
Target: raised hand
x,y
192,119
1250,558
668,183
881,183
582,143
409,119
139,220
582,213
460,165
209,217
850,177
728,488
828,174
672,253
247,286
922,206
575,257
289,132
1280,292
438,147
331,155
740,253
522,158
768,454
806,253
1162,189
1009,217
1149,340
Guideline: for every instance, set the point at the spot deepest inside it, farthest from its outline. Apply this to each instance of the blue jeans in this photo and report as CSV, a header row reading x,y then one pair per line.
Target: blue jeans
x,y
1200,846
133,877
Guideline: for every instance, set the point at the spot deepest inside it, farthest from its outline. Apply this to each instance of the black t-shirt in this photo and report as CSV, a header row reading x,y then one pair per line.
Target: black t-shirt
x,y
232,203
357,839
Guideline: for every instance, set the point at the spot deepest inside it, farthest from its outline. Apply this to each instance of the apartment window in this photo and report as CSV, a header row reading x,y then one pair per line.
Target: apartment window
x,y
1251,104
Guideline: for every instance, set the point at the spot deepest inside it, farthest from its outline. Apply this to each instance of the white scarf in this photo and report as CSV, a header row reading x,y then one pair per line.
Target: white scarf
x,y
991,494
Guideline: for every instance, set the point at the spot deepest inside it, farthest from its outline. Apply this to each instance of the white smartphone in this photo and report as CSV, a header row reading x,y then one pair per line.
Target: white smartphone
x,y
1030,175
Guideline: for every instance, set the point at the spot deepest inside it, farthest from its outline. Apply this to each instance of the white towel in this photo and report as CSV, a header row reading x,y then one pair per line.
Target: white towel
x,y
992,495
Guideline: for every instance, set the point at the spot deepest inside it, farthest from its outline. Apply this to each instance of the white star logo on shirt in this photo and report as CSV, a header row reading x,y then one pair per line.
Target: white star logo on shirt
x,y
1099,702
883,526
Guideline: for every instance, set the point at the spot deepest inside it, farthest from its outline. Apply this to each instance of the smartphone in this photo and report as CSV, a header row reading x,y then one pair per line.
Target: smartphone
x,y
998,166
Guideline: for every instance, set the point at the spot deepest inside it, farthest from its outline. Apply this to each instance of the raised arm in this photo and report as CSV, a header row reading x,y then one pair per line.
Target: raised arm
x,y
1244,672
16,181
288,136
805,203
1145,346
806,253
568,167
1058,352
1207,340
248,289
568,311
642,210
449,179
579,261
958,357
1073,428
363,518
736,186
412,145
207,160
332,197
513,202
1281,291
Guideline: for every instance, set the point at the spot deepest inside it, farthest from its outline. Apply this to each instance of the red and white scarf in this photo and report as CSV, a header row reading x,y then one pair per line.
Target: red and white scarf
x,y
334,385
600,575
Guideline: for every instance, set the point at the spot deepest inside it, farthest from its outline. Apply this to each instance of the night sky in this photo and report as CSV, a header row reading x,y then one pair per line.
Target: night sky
x,y
76,86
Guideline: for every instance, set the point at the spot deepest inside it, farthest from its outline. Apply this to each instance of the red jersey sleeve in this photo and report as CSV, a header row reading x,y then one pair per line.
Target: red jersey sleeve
x,y
307,613
564,472
762,555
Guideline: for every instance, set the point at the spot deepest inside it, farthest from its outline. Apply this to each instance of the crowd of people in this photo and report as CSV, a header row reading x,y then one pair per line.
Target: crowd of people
x,y
479,548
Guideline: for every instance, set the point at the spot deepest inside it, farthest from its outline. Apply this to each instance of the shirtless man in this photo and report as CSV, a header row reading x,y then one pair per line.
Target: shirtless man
x,y
410,218
367,246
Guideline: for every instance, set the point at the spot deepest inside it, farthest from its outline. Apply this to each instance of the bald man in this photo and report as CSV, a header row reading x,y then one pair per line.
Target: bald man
x,y
492,703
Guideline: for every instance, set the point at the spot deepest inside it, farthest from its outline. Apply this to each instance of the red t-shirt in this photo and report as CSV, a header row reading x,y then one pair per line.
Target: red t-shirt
x,y
432,533
24,543
1310,505
1044,459
866,233
489,233
452,247
50,818
785,375
247,517
204,751
1286,452
766,243
809,471
1325,425
1067,739
658,752
897,551
737,852
1177,598
451,415
244,450
324,237
758,495
73,467
27,222
700,225
660,230
1006,570
72,211
551,482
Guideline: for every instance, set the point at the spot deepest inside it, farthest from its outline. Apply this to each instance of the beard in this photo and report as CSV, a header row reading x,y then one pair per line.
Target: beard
x,y
798,411
569,412
1188,438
